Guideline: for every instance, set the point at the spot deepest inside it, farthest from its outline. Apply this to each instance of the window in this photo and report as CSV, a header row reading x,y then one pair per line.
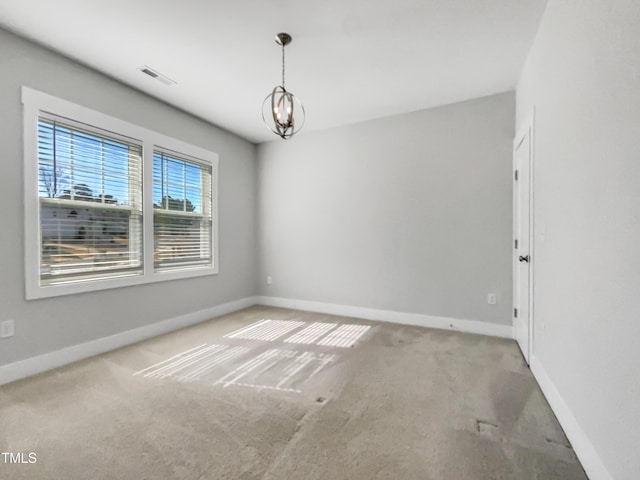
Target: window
x,y
90,194
182,212
110,204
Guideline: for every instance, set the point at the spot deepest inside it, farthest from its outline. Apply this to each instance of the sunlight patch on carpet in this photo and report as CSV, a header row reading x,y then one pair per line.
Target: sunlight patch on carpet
x,y
194,363
266,330
276,369
344,336
311,334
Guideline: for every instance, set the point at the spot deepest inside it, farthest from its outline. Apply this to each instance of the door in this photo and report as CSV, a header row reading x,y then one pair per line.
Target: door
x,y
522,251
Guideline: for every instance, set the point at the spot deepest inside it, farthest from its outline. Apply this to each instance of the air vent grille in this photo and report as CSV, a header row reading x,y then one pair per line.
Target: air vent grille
x,y
157,75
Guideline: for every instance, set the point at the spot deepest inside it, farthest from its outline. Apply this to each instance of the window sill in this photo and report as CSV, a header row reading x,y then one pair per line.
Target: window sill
x,y
93,285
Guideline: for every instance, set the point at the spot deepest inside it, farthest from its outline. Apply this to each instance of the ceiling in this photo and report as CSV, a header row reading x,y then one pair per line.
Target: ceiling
x,y
350,60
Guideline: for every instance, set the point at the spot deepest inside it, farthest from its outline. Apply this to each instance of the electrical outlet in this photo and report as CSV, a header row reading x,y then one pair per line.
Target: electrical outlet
x,y
492,298
7,328
269,280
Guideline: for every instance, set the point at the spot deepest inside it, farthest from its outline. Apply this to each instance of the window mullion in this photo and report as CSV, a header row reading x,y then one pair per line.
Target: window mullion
x,y
147,207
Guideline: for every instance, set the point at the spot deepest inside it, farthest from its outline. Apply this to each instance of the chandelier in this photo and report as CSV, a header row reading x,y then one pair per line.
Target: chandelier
x,y
282,111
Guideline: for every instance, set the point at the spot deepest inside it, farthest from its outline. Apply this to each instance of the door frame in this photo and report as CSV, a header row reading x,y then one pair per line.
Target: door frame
x,y
526,128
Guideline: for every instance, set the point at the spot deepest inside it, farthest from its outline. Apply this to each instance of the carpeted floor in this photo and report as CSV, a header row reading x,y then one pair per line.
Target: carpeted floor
x,y
269,393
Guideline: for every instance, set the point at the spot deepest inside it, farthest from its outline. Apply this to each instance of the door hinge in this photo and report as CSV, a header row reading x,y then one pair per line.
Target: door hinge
x,y
515,313
515,244
516,176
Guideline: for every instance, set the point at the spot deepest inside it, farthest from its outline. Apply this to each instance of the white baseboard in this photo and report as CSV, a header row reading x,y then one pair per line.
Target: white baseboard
x,y
48,361
586,452
417,319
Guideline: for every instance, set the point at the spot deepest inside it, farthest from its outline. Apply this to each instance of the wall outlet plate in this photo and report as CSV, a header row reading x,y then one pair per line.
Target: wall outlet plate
x,y
492,298
7,328
269,280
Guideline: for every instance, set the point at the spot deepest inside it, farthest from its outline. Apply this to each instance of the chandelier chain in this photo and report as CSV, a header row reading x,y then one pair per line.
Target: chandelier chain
x,y
283,65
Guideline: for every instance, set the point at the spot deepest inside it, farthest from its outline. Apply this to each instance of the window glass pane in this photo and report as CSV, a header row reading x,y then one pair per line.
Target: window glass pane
x,y
194,201
88,242
175,201
192,175
174,171
181,240
76,165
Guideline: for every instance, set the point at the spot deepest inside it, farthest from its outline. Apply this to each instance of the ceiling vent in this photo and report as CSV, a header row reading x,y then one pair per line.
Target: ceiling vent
x,y
157,75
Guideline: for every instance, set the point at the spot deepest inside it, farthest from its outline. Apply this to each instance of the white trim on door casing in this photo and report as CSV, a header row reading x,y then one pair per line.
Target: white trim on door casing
x,y
528,125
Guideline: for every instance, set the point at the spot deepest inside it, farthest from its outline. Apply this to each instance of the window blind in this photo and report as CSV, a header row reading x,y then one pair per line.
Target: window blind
x,y
182,212
90,196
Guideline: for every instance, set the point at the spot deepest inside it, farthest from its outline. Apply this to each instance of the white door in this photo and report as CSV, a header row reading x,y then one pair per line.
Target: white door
x,y
522,259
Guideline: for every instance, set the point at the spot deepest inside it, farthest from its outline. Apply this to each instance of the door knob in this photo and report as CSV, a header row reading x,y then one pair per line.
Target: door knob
x,y
524,259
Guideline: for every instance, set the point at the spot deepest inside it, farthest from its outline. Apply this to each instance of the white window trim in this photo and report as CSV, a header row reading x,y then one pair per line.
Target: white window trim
x,y
35,102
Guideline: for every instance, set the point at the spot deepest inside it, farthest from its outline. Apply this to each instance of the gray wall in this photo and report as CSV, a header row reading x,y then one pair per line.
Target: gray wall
x,y
410,213
50,324
583,76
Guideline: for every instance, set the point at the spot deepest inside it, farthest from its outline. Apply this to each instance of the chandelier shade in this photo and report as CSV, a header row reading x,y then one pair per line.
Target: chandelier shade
x,y
282,111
